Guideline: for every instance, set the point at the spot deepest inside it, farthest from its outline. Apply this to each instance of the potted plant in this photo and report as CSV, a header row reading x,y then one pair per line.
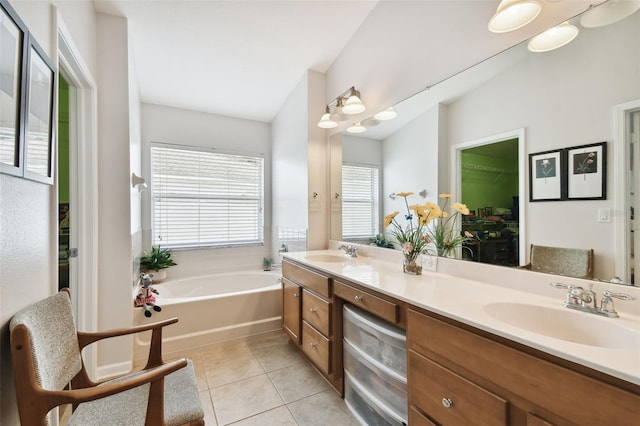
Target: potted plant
x,y
155,260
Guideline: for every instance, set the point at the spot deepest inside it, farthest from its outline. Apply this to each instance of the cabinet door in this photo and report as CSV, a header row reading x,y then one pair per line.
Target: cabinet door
x,y
291,305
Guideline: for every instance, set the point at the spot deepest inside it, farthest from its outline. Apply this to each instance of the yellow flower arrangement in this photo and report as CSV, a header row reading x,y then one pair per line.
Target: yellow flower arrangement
x,y
433,224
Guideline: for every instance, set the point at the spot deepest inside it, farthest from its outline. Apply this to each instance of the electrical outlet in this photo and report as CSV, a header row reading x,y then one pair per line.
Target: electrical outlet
x,y
430,263
604,215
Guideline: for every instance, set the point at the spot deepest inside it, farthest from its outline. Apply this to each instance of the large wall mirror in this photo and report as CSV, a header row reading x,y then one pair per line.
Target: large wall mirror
x,y
471,135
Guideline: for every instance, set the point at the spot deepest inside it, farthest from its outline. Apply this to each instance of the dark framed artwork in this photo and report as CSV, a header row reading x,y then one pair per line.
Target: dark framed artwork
x,y
546,177
13,60
587,172
40,108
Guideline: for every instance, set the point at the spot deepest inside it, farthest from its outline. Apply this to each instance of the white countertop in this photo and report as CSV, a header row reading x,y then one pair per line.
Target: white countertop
x,y
465,300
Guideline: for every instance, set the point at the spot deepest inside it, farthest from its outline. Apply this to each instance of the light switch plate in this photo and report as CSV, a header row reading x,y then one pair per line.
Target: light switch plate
x,y
604,215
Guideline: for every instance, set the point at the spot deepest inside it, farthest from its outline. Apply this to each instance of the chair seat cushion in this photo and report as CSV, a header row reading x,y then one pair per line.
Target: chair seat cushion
x,y
181,404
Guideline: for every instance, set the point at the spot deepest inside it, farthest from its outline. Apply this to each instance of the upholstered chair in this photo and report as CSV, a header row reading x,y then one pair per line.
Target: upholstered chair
x,y
561,261
46,355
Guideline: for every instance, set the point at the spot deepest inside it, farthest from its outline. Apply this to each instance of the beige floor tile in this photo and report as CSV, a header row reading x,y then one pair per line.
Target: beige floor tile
x,y
228,370
277,417
207,406
246,398
225,350
201,376
278,338
297,382
278,356
322,409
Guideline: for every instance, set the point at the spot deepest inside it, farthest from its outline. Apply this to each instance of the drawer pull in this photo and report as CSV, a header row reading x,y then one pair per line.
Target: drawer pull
x,y
313,310
446,402
313,345
359,298
296,295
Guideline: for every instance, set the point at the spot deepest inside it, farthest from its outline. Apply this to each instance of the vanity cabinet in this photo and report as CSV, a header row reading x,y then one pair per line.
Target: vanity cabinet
x,y
460,375
309,318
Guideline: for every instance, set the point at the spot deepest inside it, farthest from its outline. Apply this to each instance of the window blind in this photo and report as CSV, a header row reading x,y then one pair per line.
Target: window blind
x,y
202,198
360,205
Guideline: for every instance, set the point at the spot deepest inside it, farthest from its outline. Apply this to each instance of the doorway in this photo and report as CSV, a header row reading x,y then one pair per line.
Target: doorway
x,y
489,176
65,247
627,172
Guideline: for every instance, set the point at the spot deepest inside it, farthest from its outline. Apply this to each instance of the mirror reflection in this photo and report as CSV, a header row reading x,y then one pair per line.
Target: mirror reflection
x,y
471,136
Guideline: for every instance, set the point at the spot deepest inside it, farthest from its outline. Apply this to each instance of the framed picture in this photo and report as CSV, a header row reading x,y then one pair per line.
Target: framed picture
x,y
13,59
39,133
587,172
546,178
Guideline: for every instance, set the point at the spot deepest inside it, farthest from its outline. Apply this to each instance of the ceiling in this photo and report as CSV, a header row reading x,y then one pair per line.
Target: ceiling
x,y
243,58
234,58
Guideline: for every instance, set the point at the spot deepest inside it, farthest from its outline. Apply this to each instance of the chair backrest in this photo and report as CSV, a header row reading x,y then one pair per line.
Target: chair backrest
x,y
54,342
562,261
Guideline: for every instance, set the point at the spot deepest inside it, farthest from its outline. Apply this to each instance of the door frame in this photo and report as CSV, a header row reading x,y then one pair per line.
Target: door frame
x,y
83,180
621,155
456,176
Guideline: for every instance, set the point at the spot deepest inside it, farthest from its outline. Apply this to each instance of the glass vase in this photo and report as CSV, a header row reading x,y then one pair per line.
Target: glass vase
x,y
412,264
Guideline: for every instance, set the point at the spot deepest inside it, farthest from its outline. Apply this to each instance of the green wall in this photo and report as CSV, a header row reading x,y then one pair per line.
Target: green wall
x,y
490,175
63,141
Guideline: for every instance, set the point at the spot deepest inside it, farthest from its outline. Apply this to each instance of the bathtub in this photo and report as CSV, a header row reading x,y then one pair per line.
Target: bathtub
x,y
213,308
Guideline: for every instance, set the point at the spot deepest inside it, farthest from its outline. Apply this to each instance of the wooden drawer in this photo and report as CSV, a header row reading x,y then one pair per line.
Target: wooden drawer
x,y
431,386
307,278
553,388
377,306
416,418
316,347
317,312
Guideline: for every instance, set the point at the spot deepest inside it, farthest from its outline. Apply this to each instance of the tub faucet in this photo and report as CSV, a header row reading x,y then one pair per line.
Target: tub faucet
x,y
351,251
283,248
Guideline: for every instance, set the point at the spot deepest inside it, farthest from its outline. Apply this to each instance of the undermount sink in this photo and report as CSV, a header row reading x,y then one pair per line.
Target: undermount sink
x,y
571,326
331,258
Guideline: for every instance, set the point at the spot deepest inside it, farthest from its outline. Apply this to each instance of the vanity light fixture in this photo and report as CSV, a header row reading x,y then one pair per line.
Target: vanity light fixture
x,y
139,182
387,114
553,38
609,13
514,14
347,103
326,122
354,104
357,128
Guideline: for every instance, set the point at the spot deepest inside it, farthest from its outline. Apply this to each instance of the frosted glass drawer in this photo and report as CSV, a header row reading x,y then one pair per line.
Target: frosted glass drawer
x,y
365,408
384,342
385,384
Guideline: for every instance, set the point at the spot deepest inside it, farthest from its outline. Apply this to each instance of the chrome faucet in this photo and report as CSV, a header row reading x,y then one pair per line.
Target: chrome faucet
x,y
585,300
351,251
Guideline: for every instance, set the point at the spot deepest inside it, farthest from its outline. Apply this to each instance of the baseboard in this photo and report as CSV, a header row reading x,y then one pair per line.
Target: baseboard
x,y
112,370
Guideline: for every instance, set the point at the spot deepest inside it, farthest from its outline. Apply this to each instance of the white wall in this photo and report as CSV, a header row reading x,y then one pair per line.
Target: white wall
x,y
135,164
114,183
411,161
28,210
394,54
289,144
317,163
562,98
361,150
184,127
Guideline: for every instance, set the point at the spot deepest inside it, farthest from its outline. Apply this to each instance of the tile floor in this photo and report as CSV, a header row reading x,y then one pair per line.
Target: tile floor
x,y
264,381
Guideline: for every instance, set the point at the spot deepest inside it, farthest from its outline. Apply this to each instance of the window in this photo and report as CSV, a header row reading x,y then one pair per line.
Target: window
x,y
203,198
360,205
